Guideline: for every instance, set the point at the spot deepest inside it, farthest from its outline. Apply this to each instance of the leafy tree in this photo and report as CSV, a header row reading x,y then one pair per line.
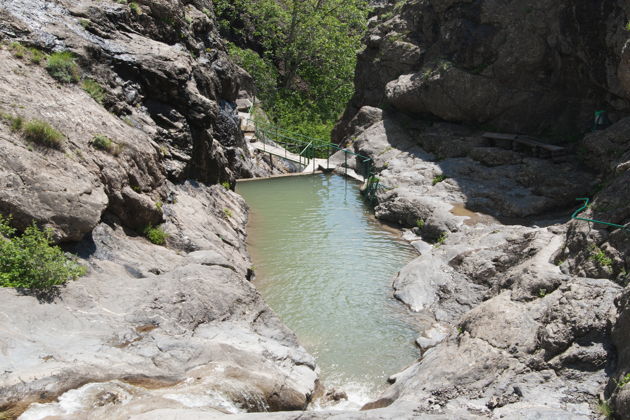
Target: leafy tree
x,y
30,260
305,55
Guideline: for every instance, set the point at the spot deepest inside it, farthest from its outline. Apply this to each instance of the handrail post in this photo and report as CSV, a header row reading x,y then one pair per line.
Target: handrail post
x,y
328,157
345,165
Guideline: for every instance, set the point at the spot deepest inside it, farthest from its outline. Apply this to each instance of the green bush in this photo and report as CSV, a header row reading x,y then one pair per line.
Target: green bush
x,y
15,123
135,7
440,240
18,49
36,56
226,185
420,223
63,67
106,144
94,90
41,132
439,178
30,260
155,234
600,257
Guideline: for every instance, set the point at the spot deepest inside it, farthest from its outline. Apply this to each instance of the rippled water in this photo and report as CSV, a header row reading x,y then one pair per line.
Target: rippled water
x,y
325,265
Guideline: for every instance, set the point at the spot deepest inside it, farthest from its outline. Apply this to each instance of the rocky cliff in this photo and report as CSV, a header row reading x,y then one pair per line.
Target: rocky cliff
x,y
137,116
529,306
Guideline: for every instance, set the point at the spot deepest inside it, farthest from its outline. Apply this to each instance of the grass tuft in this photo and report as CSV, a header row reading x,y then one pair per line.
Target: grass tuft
x,y
63,67
155,235
42,133
94,89
104,143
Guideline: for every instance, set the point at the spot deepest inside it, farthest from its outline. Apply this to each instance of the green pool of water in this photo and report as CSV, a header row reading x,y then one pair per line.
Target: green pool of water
x,y
324,264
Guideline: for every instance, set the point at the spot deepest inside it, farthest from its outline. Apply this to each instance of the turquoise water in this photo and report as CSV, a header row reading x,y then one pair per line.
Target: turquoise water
x,y
324,264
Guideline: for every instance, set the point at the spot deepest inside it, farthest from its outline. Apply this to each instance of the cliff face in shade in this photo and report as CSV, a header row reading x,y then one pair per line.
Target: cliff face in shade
x,y
541,67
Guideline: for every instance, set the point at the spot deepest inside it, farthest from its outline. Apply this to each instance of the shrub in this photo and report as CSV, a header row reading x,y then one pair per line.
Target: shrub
x,y
135,7
30,260
41,132
420,223
18,49
439,178
155,234
226,185
600,257
36,56
94,90
15,123
441,240
106,144
227,213
159,205
63,67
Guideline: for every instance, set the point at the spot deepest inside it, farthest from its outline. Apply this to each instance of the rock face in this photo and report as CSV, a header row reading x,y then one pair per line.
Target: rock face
x,y
150,327
156,327
542,68
530,308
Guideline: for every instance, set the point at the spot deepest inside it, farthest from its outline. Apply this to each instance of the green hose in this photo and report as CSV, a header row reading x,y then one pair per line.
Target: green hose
x,y
584,207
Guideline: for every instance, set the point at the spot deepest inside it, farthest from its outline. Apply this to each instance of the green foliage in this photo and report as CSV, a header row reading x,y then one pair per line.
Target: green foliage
x,y
440,240
226,185
601,258
36,56
304,68
18,50
16,122
30,260
542,293
420,223
155,234
261,69
624,381
439,178
63,67
627,26
42,133
102,142
159,205
135,7
605,409
94,89
227,213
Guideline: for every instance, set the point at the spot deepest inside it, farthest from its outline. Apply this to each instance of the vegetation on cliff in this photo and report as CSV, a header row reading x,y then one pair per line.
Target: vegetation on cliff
x,y
30,261
301,55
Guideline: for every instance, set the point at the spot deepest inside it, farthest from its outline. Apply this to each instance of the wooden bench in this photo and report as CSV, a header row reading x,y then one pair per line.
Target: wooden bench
x,y
521,144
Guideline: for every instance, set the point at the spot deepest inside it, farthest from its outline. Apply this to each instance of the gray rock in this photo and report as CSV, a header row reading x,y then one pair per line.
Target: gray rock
x,y
191,323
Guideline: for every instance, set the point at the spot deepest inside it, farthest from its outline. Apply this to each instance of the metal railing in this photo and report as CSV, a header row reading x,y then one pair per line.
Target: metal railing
x,y
584,207
306,147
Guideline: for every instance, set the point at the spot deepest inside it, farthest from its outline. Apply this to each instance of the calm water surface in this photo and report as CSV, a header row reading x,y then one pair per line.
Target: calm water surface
x,y
325,265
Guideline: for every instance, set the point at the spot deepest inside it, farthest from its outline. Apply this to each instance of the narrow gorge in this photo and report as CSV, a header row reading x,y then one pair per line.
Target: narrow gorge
x,y
463,284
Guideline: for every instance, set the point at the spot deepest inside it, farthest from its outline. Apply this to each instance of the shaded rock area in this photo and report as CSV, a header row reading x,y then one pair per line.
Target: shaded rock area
x,y
539,67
